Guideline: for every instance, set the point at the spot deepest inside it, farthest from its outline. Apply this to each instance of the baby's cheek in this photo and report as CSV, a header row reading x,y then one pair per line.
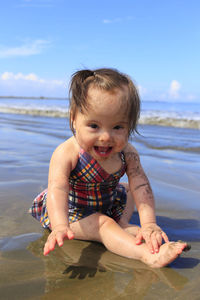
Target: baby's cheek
x,y
122,140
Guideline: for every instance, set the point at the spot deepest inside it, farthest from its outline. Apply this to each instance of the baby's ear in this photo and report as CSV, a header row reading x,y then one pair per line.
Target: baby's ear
x,y
72,122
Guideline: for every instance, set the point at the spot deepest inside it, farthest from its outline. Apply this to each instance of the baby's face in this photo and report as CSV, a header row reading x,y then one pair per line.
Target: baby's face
x,y
102,129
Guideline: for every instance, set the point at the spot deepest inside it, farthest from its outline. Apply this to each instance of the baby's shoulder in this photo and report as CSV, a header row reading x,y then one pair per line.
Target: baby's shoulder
x,y
129,149
131,154
67,152
68,145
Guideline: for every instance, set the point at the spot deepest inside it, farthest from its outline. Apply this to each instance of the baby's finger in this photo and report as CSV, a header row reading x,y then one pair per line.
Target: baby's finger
x,y
165,237
139,238
60,238
47,248
159,238
149,244
155,242
50,244
70,235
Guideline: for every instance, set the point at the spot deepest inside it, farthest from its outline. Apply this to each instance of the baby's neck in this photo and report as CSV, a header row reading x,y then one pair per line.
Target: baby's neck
x,y
112,164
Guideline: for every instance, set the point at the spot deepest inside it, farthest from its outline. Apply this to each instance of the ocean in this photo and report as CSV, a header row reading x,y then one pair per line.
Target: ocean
x,y
169,146
172,114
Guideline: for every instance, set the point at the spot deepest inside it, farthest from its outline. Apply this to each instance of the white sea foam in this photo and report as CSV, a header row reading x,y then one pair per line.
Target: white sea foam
x,y
174,119
183,115
35,111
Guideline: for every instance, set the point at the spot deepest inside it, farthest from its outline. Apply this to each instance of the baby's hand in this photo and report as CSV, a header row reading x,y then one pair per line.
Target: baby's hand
x,y
57,236
153,236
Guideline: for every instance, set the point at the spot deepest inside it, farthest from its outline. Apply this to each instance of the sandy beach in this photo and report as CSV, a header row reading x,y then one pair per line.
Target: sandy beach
x,y
86,270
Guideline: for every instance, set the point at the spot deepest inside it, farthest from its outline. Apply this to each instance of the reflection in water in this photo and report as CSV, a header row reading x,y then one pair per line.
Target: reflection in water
x,y
88,263
88,270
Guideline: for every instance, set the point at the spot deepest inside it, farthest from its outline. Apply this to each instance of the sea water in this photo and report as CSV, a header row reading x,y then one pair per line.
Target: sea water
x,y
169,155
171,113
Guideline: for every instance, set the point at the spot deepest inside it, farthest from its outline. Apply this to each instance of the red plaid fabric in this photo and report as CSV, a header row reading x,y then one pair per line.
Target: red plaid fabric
x,y
91,189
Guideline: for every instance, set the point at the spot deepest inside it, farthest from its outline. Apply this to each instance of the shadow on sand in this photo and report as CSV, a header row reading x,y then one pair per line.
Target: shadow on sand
x,y
90,262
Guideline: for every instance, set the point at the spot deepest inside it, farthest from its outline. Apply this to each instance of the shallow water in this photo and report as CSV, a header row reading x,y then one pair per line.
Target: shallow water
x,y
84,270
174,114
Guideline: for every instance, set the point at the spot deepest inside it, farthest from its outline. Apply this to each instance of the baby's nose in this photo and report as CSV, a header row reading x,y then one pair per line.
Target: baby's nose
x,y
105,136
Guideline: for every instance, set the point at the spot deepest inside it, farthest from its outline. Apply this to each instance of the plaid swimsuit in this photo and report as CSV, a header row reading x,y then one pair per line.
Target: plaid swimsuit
x,y
91,190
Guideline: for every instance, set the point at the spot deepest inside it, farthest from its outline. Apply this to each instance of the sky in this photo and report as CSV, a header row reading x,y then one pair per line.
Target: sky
x,y
157,43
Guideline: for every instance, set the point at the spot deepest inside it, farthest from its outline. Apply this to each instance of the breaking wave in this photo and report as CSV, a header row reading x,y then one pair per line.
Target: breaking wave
x,y
49,112
170,121
148,117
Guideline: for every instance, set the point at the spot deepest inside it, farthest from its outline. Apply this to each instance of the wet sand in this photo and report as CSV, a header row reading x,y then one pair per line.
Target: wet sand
x,y
86,270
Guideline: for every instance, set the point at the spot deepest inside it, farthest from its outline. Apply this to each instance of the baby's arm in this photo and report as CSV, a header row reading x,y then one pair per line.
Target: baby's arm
x,y
144,200
62,162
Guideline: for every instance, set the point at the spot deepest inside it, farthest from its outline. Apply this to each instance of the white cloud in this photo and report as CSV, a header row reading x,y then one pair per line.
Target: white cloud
x,y
116,20
29,77
174,89
26,49
191,97
18,76
30,85
108,21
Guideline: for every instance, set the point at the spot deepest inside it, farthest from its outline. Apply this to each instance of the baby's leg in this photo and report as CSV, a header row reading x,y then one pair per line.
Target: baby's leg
x,y
128,212
101,228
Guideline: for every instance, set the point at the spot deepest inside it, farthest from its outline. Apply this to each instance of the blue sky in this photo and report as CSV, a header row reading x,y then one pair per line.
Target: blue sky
x,y
42,42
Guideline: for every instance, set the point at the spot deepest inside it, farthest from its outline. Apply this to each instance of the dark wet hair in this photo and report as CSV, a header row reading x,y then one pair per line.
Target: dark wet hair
x,y
107,80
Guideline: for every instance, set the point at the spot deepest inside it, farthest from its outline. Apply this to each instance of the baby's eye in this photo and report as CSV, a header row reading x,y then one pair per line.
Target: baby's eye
x,y
117,127
93,126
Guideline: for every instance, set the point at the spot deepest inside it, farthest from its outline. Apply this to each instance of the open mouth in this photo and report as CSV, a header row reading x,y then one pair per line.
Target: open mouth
x,y
102,151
